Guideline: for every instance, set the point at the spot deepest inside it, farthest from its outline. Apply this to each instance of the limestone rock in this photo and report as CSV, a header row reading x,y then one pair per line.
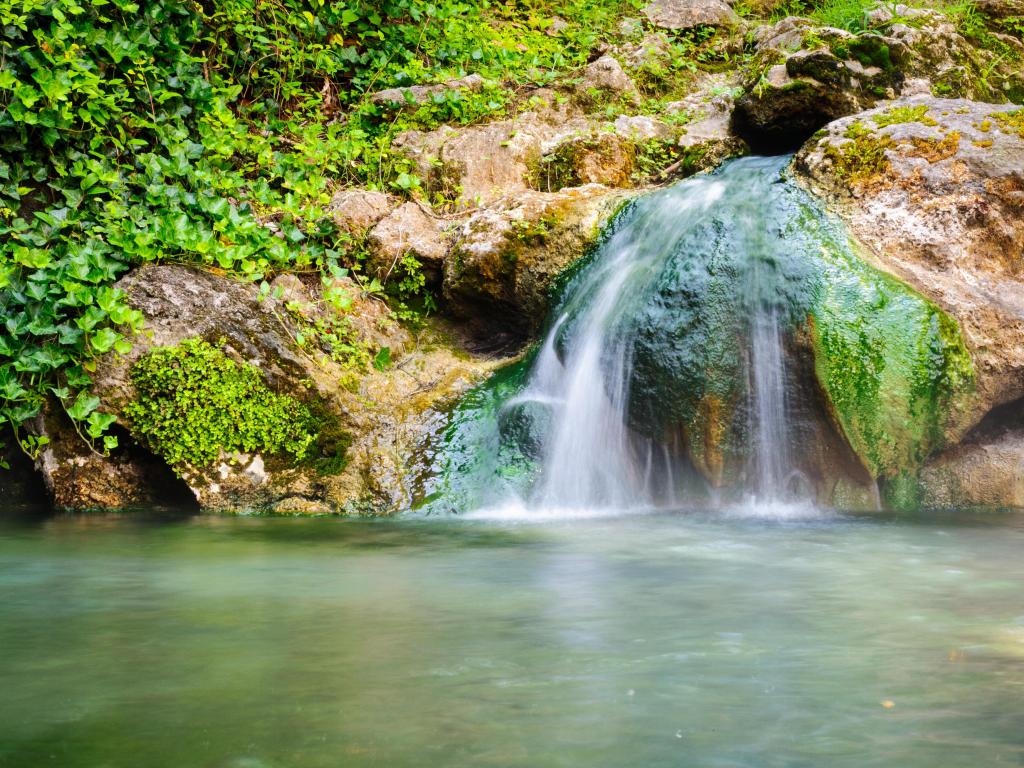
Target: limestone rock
x,y
687,14
935,189
409,229
605,78
989,474
803,76
506,258
356,210
381,416
598,158
479,165
419,94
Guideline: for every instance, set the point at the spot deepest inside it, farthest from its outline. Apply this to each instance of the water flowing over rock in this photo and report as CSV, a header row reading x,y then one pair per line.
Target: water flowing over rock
x,y
686,357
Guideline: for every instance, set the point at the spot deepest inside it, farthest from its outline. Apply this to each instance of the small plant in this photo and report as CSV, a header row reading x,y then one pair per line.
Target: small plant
x,y
904,114
194,403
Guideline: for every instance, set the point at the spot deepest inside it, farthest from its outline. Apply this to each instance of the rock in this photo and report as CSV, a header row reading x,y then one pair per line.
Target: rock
x,y
76,477
791,93
710,132
603,80
479,165
419,94
408,230
803,76
506,258
371,423
356,210
1001,9
935,189
557,26
687,14
598,158
987,474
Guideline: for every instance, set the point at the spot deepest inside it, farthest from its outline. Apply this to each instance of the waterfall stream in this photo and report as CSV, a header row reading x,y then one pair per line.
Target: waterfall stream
x,y
584,370
687,362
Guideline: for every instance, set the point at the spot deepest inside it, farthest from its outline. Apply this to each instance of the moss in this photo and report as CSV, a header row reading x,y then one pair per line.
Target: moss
x,y
904,114
893,365
871,51
862,159
934,150
194,403
1012,122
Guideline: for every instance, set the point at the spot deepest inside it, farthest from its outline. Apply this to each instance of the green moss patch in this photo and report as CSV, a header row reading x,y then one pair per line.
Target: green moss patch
x,y
903,114
193,403
893,365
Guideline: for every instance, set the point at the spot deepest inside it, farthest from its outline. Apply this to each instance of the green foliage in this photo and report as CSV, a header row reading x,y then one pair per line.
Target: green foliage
x,y
193,402
904,114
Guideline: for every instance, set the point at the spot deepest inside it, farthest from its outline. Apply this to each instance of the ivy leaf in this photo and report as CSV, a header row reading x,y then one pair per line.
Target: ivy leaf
x,y
84,404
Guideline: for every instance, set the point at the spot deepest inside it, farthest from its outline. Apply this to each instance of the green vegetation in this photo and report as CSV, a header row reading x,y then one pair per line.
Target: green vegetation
x,y
904,114
1010,121
862,159
194,403
136,131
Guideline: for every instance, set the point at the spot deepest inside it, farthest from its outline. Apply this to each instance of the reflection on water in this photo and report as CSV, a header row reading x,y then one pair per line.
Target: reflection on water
x,y
643,640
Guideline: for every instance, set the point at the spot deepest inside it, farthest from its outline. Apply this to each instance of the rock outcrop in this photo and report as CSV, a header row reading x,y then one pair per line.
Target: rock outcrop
x,y
935,189
506,258
804,76
371,420
688,14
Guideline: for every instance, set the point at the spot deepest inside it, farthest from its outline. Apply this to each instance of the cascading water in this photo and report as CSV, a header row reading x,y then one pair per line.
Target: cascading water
x,y
583,373
668,377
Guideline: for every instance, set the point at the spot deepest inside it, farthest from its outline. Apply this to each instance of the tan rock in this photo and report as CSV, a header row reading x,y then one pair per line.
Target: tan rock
x,y
939,201
356,210
687,14
419,94
506,258
409,229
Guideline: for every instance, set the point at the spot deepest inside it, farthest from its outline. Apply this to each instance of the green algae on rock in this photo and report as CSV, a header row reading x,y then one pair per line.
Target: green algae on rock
x,y
892,363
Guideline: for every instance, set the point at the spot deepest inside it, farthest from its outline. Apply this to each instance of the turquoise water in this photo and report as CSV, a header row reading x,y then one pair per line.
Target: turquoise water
x,y
675,639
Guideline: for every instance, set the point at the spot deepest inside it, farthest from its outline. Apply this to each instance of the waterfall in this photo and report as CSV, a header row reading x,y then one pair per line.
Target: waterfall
x,y
582,375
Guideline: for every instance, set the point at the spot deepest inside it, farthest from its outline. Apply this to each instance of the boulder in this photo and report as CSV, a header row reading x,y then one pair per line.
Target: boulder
x,y
371,421
934,188
356,210
605,80
407,230
803,76
505,259
478,165
688,14
601,157
415,95
989,474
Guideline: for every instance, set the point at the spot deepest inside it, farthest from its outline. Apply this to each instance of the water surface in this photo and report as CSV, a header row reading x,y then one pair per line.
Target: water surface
x,y
675,639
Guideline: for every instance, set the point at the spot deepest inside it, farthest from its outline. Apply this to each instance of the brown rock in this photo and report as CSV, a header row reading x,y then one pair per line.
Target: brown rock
x,y
687,14
506,258
407,230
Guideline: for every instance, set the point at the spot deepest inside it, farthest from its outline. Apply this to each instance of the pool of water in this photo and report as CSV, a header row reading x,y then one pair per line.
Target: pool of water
x,y
672,639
